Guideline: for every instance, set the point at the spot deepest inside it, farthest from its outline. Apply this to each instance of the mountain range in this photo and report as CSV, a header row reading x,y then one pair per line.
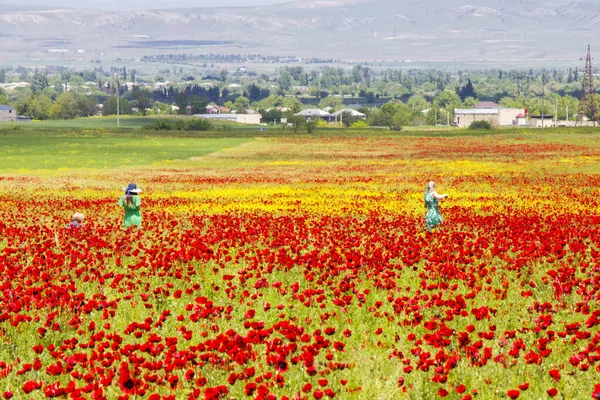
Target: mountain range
x,y
353,30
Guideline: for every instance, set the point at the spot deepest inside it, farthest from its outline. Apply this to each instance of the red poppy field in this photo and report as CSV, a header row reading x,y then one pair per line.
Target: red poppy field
x,y
298,268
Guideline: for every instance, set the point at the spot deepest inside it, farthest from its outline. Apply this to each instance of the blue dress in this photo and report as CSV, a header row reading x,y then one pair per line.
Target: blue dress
x,y
433,217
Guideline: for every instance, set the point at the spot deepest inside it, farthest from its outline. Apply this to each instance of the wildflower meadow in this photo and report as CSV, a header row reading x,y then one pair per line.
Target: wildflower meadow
x,y
298,267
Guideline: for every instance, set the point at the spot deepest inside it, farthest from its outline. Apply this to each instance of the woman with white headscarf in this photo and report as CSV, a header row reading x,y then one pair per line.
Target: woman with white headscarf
x,y
433,217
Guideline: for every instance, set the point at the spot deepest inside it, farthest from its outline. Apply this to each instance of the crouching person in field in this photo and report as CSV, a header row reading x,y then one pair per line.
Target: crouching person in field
x,y
77,221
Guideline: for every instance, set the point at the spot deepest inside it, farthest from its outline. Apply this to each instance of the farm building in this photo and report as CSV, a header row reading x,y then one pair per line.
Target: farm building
x,y
338,114
312,114
7,114
253,119
490,112
547,121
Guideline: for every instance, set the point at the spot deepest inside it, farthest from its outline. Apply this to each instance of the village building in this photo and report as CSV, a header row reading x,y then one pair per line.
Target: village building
x,y
338,115
7,114
252,119
547,121
313,114
490,112
215,109
301,89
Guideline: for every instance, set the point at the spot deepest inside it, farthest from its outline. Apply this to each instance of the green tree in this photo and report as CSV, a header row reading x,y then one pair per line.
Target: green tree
x,y
182,101
285,80
334,102
110,106
197,105
76,81
39,107
470,102
3,97
143,100
272,115
241,104
293,104
380,118
348,119
417,104
64,107
85,105
161,108
223,75
467,91
296,121
39,81
444,104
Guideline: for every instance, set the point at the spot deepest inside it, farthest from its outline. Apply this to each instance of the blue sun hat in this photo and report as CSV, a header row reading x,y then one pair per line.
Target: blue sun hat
x,y
132,189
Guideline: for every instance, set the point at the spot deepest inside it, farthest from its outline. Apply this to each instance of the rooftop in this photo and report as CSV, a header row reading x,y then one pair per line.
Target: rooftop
x,y
487,104
354,113
472,111
313,112
6,108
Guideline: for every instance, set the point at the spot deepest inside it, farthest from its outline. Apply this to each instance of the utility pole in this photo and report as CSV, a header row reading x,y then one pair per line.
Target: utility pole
x,y
118,106
543,95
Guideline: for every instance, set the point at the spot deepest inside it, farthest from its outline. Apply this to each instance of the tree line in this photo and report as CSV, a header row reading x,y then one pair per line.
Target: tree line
x,y
417,97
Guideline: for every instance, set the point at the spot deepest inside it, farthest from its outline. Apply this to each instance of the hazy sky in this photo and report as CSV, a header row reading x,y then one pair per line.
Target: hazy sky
x,y
141,4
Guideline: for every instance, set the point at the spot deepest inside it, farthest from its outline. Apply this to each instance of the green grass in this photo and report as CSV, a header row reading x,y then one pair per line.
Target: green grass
x,y
127,122
91,123
40,145
32,152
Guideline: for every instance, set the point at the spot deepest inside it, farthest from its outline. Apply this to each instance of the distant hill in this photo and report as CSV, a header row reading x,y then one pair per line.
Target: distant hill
x,y
342,29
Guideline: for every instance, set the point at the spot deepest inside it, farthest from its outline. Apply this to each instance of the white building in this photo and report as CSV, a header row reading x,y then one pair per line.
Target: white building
x,y
314,114
252,119
339,114
487,111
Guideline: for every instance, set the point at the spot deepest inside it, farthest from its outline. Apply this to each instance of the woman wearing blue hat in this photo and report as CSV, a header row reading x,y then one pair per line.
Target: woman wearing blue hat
x,y
130,201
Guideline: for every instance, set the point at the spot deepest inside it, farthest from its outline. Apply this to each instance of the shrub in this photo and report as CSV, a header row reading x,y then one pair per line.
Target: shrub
x,y
159,125
196,124
480,125
359,124
310,126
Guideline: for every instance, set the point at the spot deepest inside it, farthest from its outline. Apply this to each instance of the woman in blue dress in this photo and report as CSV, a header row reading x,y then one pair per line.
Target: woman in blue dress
x,y
433,217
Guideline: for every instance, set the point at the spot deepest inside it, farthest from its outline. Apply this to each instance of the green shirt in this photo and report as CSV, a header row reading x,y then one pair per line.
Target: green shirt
x,y
132,214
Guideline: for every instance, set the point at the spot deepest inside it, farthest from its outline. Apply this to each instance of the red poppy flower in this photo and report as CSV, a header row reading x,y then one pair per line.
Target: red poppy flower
x,y
524,386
